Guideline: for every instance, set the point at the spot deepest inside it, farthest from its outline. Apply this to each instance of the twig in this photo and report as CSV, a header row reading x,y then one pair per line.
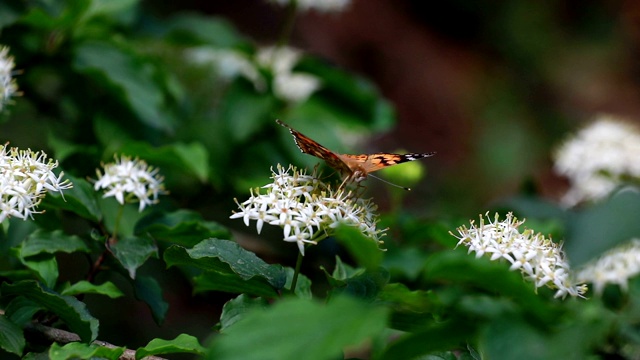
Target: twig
x,y
65,337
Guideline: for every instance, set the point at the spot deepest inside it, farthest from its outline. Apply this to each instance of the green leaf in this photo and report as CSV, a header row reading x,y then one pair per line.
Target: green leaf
x,y
303,285
36,252
361,104
45,266
42,241
73,312
81,200
407,261
594,230
182,227
401,298
182,344
133,251
148,290
236,309
244,111
298,327
365,285
131,78
11,336
111,8
9,14
437,337
76,350
364,250
85,287
461,268
232,283
21,310
212,30
223,256
191,159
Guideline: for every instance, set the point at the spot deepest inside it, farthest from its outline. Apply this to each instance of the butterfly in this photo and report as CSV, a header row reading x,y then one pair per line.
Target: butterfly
x,y
355,167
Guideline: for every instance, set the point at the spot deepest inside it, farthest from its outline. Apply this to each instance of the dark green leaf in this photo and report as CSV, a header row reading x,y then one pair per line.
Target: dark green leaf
x,y
9,13
298,327
182,344
365,285
148,290
182,227
133,251
232,283
364,250
51,242
81,200
85,287
44,265
76,350
461,268
73,312
222,255
21,310
407,260
594,230
235,309
400,298
11,336
132,80
437,337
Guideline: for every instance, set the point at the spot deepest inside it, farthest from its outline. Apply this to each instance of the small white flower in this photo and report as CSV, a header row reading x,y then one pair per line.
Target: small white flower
x,y
319,5
538,259
130,181
306,208
287,85
25,179
8,87
228,64
616,266
599,158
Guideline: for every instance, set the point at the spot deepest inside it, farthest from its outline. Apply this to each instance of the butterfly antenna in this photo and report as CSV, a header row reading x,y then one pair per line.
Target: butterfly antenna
x,y
390,183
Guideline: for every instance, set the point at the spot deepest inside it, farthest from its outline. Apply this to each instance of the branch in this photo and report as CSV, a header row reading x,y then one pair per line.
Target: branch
x,y
64,337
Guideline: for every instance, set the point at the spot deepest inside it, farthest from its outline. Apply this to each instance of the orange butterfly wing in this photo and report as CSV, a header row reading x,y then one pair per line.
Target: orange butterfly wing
x,y
355,166
374,162
311,147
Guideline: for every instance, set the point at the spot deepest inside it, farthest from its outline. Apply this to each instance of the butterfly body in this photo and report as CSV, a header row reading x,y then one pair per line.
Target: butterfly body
x,y
354,167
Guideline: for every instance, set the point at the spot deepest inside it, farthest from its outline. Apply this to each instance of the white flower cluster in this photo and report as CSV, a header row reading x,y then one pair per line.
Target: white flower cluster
x,y
8,87
128,180
599,158
616,266
306,208
287,84
25,178
539,259
319,5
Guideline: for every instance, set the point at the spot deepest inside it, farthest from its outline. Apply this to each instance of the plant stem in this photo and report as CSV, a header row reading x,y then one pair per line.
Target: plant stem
x,y
117,222
294,281
289,21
